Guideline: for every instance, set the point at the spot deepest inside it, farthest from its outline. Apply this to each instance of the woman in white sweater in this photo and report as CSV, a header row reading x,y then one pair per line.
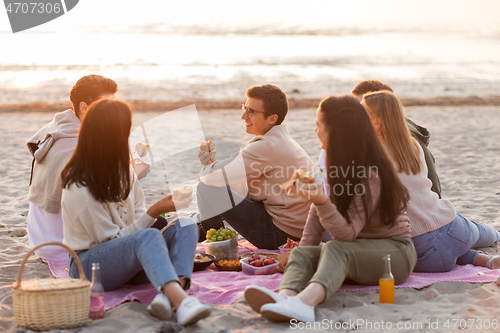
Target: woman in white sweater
x,y
442,237
105,219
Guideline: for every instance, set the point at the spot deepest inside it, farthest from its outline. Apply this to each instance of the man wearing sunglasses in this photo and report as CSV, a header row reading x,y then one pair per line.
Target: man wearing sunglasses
x,y
266,216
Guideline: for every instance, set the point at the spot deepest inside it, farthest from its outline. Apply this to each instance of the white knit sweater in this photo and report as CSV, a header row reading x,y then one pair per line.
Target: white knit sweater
x,y
88,222
426,211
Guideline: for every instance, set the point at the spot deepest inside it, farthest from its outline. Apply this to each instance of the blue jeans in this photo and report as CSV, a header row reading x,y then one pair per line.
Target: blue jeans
x,y
249,218
144,256
441,249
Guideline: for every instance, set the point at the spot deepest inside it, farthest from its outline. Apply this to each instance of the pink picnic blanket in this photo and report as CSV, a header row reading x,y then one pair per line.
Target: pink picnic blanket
x,y
218,288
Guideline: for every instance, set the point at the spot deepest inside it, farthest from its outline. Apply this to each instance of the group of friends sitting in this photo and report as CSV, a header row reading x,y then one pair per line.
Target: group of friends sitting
x,y
379,194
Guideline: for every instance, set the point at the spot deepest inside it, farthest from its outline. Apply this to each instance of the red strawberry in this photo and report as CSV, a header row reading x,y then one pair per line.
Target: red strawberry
x,y
268,261
257,263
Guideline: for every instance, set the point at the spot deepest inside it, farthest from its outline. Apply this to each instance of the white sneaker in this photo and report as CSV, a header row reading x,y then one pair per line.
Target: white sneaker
x,y
191,310
160,307
290,307
257,296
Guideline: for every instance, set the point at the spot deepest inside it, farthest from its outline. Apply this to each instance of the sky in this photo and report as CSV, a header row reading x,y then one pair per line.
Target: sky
x,y
474,15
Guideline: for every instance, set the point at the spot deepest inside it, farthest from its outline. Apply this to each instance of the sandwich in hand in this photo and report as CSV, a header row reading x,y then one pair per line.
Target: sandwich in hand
x,y
302,176
208,146
182,193
141,148
303,180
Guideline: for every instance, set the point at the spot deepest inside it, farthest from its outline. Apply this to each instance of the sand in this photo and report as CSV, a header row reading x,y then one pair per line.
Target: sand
x,y
465,141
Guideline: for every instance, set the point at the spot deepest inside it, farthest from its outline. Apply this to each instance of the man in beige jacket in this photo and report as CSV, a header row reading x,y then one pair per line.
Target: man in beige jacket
x,y
51,148
266,216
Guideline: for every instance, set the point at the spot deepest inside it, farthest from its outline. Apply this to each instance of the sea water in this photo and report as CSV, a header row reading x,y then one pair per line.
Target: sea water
x,y
214,50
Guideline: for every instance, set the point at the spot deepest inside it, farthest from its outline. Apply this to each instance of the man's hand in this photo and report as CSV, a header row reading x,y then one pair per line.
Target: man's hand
x,y
206,158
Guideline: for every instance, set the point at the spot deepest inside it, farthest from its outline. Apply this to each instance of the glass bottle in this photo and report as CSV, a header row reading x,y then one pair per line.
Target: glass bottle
x,y
96,294
386,283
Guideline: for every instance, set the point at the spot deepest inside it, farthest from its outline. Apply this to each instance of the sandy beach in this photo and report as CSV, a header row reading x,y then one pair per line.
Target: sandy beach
x,y
441,58
464,140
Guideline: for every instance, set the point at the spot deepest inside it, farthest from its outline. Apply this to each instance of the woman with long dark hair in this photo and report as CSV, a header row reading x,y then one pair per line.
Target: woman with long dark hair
x,y
105,219
364,211
441,236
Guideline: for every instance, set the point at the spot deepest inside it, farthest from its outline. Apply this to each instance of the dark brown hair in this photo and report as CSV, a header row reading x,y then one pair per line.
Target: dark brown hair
x,y
352,143
274,99
101,160
367,86
89,89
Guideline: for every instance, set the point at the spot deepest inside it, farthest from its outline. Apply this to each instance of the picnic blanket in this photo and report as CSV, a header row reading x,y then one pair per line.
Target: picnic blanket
x,y
214,287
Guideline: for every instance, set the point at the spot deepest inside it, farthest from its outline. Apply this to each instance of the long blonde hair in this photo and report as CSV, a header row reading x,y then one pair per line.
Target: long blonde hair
x,y
395,134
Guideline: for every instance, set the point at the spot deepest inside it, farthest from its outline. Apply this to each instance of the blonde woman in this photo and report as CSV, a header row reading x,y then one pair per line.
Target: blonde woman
x,y
441,236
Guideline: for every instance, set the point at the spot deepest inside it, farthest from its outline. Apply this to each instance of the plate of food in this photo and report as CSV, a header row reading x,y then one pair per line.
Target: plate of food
x,y
202,261
228,264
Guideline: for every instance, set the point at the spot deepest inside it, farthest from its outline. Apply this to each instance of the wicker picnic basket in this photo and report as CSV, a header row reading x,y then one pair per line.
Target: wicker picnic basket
x,y
46,304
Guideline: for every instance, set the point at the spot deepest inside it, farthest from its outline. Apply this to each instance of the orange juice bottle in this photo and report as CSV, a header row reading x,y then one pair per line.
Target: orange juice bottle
x,y
386,283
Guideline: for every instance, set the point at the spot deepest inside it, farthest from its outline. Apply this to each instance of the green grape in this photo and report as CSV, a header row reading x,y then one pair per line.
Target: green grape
x,y
221,234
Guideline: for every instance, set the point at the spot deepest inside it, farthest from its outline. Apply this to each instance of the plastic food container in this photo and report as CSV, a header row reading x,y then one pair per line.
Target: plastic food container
x,y
264,270
283,249
221,249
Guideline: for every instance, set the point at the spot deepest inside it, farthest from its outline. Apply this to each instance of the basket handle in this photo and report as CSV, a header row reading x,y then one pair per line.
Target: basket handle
x,y
30,252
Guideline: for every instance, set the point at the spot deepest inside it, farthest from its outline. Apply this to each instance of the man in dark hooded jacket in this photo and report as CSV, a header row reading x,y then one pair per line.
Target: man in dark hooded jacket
x,y
421,134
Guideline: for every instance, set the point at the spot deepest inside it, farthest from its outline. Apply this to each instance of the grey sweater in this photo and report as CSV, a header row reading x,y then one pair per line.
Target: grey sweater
x,y
51,148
